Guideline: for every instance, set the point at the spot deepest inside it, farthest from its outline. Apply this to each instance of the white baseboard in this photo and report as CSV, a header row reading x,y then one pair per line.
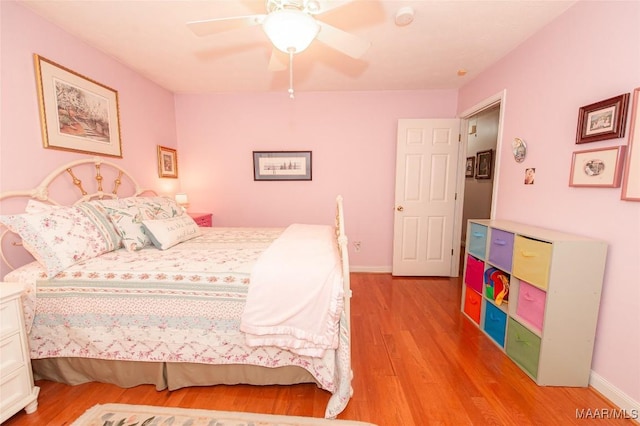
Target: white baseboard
x,y
615,395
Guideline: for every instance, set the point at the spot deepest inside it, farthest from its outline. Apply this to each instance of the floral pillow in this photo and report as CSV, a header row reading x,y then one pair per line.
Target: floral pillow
x,y
127,214
165,233
128,223
59,237
102,222
162,207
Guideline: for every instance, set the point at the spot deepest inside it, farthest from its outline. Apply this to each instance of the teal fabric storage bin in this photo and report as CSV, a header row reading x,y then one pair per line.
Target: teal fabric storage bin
x,y
478,240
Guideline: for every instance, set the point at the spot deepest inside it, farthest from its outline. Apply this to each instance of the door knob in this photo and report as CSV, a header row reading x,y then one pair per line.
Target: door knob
x,y
400,208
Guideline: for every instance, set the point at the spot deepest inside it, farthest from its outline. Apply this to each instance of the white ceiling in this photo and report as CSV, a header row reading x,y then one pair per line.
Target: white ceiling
x,y
152,38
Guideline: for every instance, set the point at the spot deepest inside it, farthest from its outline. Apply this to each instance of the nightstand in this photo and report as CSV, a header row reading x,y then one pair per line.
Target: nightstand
x,y
204,220
16,379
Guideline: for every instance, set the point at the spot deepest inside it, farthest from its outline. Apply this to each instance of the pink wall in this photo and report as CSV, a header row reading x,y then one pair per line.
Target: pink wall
x,y
589,54
147,114
353,140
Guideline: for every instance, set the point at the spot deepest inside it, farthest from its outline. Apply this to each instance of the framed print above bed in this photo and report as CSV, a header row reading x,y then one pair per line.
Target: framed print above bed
x,y
167,162
281,165
76,113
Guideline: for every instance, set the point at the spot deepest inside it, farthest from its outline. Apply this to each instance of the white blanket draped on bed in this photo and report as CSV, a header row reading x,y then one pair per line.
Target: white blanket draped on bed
x,y
297,306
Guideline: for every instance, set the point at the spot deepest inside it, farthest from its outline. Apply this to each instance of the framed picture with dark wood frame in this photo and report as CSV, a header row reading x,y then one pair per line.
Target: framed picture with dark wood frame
x,y
484,164
602,120
281,165
600,167
470,167
631,178
76,113
167,162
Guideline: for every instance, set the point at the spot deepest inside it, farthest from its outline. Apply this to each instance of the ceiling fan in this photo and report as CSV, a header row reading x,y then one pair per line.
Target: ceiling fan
x,y
291,26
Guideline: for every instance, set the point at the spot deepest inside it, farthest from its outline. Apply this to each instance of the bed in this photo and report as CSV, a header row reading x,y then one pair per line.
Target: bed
x,y
128,291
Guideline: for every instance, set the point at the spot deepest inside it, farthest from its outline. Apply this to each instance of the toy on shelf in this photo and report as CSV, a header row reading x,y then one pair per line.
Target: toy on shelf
x,y
497,285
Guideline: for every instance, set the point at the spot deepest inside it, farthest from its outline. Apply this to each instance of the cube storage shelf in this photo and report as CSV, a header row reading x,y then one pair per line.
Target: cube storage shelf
x,y
536,293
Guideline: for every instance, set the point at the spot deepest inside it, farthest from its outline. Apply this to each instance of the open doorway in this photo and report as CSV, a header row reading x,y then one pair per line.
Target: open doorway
x,y
478,195
482,140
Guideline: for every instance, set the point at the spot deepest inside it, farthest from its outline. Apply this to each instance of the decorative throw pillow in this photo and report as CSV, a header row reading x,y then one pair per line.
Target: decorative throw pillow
x,y
162,207
165,233
100,219
128,223
59,237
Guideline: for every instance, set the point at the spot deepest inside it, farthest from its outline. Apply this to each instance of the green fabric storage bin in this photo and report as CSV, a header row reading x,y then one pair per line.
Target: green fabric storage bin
x,y
523,346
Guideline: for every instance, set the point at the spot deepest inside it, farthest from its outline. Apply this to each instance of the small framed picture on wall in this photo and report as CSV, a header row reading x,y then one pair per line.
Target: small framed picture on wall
x,y
602,120
470,167
281,165
484,163
167,162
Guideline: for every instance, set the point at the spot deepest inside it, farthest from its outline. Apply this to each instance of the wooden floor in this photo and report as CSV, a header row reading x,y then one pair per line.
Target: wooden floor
x,y
416,361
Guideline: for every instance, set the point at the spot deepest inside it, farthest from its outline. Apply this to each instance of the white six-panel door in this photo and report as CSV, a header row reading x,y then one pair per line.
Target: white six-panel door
x,y
426,169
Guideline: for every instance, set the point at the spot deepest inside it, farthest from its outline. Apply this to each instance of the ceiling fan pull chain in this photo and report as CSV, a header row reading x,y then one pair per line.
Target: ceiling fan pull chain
x,y
291,73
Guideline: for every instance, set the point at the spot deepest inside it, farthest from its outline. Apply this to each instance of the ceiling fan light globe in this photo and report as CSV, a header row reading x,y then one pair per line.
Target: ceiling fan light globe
x,y
290,30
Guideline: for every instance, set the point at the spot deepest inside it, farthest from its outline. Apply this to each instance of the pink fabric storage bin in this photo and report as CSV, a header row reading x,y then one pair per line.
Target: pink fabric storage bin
x,y
531,302
474,273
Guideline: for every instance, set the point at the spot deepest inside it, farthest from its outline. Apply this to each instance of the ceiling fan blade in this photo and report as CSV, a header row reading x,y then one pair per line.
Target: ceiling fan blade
x,y
215,26
342,41
327,5
276,62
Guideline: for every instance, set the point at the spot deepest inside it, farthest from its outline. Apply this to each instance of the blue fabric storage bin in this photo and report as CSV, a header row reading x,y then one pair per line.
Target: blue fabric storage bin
x,y
495,323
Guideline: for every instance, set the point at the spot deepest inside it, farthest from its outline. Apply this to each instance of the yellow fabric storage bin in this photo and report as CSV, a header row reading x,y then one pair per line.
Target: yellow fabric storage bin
x,y
531,261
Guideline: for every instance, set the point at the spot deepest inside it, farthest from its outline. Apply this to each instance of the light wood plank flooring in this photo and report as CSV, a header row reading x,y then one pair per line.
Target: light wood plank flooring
x,y
416,361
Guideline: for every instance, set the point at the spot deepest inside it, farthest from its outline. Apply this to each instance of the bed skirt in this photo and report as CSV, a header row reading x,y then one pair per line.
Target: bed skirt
x,y
172,376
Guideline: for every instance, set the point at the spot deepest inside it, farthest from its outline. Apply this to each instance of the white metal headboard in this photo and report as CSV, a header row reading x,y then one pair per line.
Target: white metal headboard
x,y
94,189
41,191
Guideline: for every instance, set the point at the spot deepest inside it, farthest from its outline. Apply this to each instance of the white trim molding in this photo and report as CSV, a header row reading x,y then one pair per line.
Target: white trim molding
x,y
615,395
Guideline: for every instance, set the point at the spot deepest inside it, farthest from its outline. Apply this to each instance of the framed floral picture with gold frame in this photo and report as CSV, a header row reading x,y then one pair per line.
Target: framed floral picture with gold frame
x,y
167,162
76,113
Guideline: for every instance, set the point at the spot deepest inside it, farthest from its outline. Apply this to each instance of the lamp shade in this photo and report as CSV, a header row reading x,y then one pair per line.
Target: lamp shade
x,y
182,199
290,29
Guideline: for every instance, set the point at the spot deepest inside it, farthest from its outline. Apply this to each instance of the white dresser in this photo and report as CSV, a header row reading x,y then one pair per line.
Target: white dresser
x,y
17,390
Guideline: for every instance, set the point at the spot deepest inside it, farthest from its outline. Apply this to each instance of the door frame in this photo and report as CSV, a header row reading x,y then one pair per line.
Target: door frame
x,y
497,99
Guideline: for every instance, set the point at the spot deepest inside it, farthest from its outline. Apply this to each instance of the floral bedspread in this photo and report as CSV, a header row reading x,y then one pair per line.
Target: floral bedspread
x,y
178,305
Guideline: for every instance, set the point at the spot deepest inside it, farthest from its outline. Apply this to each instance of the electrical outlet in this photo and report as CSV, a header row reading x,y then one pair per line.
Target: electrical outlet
x,y
357,245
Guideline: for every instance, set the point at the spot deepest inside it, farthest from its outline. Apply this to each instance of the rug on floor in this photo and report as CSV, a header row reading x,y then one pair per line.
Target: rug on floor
x,y
148,415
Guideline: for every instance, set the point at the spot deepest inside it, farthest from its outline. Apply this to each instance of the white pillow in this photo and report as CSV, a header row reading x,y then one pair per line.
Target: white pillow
x,y
34,206
165,233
